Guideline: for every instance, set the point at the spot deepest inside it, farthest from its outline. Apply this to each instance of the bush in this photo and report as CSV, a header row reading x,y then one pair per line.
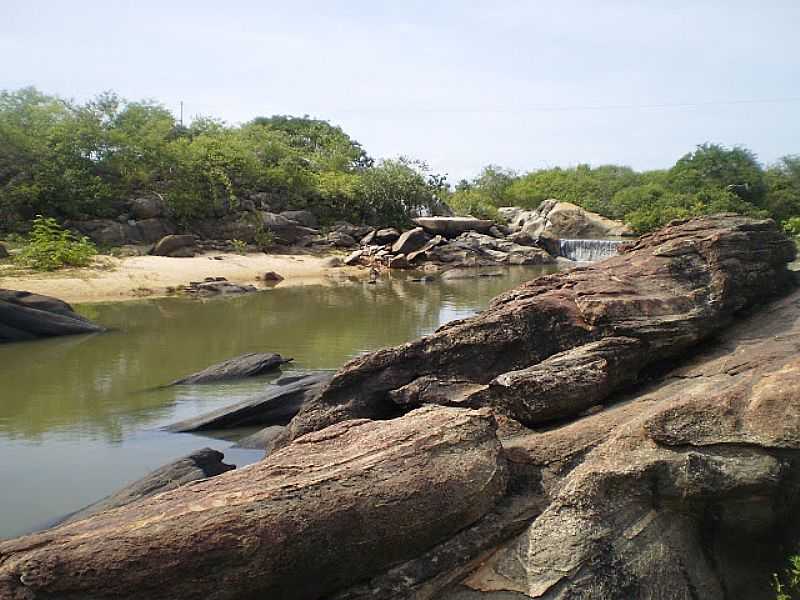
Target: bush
x,y
788,586
472,202
50,247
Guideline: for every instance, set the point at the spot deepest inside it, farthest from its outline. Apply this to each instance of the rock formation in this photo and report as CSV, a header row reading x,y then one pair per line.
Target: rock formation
x,y
324,513
246,365
200,464
563,220
27,316
630,429
667,292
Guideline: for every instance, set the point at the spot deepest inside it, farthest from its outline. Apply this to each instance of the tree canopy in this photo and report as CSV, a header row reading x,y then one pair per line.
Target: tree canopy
x,y
71,160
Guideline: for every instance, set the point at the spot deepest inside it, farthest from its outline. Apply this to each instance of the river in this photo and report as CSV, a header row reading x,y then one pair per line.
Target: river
x,y
81,416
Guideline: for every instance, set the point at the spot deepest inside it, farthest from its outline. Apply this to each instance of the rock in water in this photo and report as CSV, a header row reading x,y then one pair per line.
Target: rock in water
x,y
246,365
275,406
27,316
200,464
329,510
667,291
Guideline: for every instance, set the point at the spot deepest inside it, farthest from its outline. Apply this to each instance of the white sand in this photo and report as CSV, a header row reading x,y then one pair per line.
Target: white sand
x,y
113,279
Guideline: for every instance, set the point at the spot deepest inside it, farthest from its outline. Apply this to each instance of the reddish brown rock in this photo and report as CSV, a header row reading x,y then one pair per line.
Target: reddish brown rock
x,y
332,509
667,292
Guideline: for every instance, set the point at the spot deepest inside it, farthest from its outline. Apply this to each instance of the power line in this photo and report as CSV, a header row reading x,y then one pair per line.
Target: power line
x,y
588,107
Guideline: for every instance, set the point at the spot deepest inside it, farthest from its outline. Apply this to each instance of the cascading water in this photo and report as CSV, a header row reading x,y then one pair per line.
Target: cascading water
x,y
588,250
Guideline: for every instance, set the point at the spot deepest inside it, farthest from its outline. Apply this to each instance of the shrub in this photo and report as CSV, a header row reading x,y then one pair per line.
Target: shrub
x,y
50,247
472,202
788,586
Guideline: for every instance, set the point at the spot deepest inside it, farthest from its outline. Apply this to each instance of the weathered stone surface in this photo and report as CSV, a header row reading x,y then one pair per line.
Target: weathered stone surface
x,y
477,249
410,240
106,232
246,365
358,497
279,402
147,208
340,239
261,439
453,226
174,245
399,262
388,235
27,316
429,245
563,220
218,286
272,277
669,291
354,257
3,251
152,230
304,217
200,464
689,489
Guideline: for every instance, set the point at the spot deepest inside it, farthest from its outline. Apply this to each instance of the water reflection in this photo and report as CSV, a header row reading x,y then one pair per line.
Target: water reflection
x,y
79,416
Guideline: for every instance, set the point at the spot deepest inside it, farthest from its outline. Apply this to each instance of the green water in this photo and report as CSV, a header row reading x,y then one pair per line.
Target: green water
x,y
80,416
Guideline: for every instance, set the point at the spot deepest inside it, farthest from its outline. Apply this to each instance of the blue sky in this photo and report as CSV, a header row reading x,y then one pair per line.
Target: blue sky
x,y
458,84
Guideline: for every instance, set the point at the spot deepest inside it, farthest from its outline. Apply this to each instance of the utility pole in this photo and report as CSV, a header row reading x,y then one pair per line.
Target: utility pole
x,y
181,113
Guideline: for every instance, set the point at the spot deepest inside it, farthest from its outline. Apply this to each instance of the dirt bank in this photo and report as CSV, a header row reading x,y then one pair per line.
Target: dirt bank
x,y
114,279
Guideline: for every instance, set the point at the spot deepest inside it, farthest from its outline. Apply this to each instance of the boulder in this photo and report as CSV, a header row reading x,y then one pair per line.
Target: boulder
x,y
304,217
368,239
409,241
261,439
669,291
277,405
152,230
200,464
284,230
3,251
388,235
354,257
27,316
216,287
689,488
175,246
429,245
450,227
399,262
563,220
299,524
340,239
246,365
354,231
146,208
272,277
106,232
477,249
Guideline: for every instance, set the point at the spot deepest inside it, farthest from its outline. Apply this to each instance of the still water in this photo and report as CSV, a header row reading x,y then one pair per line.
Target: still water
x,y
81,416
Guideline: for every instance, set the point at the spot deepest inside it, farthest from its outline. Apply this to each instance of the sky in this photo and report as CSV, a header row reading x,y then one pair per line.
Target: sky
x,y
459,84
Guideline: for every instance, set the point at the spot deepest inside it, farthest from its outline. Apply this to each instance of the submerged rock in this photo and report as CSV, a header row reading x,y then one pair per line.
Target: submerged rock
x,y
279,402
200,464
27,316
246,365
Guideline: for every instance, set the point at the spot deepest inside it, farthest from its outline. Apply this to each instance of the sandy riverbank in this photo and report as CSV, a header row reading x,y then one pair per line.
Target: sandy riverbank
x,y
115,279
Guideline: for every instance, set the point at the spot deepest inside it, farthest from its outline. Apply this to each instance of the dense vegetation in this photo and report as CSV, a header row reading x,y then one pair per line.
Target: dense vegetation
x,y
710,179
74,161
787,587
71,161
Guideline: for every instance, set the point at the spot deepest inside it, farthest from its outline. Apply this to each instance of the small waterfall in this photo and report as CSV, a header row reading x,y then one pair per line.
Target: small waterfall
x,y
587,250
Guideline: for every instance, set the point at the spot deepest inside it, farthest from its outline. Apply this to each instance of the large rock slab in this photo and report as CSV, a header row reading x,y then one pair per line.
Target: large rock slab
x,y
277,405
687,489
563,220
175,245
200,464
330,510
667,292
246,365
27,316
410,241
453,226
